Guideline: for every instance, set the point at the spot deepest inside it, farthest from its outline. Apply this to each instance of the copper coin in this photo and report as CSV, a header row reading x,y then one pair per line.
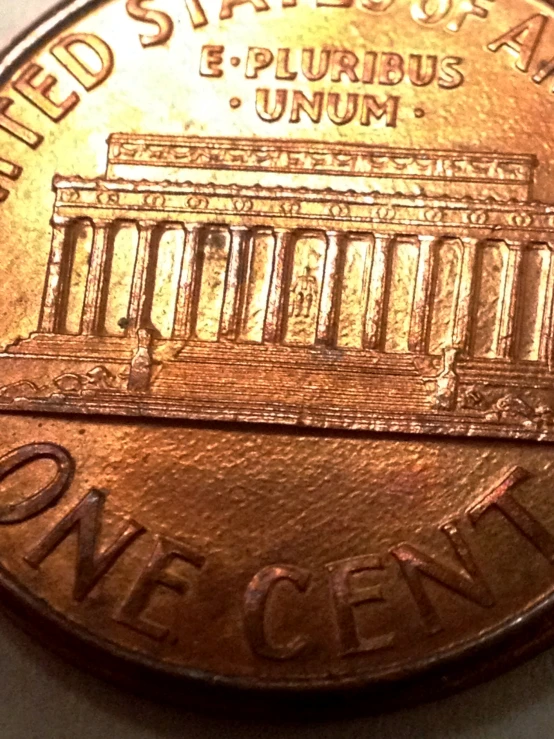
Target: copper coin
x,y
277,327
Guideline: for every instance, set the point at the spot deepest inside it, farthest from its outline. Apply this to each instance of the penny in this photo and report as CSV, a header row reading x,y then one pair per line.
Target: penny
x,y
277,329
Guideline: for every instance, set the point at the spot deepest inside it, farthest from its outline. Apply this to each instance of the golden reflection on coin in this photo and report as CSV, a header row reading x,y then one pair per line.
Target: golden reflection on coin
x,y
277,343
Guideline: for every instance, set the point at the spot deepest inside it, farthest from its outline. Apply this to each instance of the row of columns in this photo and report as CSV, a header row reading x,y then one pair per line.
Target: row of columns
x,y
378,274
54,303
379,292
466,295
237,279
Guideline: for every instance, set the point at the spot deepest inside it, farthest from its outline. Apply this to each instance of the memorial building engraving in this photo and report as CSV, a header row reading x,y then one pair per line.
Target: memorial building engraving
x,y
413,292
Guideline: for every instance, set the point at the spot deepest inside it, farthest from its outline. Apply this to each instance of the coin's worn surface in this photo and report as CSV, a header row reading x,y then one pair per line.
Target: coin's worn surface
x,y
277,342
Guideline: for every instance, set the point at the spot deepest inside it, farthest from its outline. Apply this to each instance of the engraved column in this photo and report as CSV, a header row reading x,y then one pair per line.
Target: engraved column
x,y
465,296
51,316
421,306
505,339
140,302
230,320
374,333
275,317
96,288
329,301
184,324
546,347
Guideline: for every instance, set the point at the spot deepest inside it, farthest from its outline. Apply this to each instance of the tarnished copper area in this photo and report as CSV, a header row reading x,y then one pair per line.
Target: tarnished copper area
x,y
268,269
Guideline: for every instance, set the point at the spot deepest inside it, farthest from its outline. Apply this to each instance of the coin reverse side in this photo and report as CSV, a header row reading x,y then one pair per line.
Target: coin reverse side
x,y
277,343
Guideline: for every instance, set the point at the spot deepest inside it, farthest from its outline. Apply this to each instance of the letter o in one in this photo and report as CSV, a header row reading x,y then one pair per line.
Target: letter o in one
x,y
47,495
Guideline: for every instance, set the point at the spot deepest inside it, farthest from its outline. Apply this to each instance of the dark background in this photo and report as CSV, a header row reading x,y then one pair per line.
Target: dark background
x,y
42,697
